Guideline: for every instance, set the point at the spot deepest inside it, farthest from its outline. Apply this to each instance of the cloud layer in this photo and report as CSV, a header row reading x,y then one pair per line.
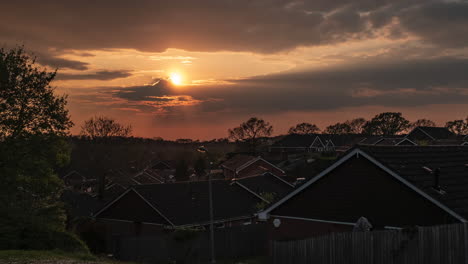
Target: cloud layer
x,y
242,25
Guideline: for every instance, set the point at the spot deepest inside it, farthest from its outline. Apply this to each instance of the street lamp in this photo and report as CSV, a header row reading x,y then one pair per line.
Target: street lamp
x,y
202,149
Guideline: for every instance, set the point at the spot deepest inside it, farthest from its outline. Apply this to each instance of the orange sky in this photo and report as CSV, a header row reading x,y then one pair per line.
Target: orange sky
x,y
287,61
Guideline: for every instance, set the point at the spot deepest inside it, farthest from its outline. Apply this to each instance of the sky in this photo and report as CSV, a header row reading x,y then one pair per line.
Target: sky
x,y
193,69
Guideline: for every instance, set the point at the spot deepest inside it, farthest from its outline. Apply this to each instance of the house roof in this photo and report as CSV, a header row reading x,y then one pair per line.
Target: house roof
x,y
81,204
447,142
304,141
436,132
389,141
295,141
237,161
406,164
147,178
187,203
267,183
409,161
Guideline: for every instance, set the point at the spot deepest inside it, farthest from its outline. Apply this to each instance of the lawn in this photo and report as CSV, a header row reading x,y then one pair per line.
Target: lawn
x,y
50,257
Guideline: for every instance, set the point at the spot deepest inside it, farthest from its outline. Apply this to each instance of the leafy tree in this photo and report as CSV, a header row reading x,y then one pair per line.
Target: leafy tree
x,y
356,125
304,128
422,123
104,127
33,121
250,131
200,166
268,197
459,127
386,124
182,173
28,104
338,129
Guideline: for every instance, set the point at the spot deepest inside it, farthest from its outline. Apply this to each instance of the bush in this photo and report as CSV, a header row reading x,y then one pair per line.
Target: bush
x,y
42,239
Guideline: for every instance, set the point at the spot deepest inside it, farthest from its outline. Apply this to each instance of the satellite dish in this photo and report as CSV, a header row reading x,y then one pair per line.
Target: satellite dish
x,y
276,222
362,225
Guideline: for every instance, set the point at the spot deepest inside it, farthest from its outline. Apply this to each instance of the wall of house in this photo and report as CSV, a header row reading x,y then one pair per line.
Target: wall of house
x,y
294,229
360,188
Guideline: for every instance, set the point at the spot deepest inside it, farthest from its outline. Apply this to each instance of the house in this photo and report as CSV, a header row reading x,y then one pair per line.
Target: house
x,y
429,134
147,177
295,143
78,182
157,207
392,186
241,166
388,141
161,165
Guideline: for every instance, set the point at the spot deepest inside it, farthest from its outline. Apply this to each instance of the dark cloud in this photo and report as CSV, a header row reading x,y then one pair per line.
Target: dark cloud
x,y
403,83
212,25
442,23
151,92
61,63
99,75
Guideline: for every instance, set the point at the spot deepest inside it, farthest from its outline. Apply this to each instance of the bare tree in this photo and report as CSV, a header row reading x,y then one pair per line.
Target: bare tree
x,y
250,131
99,129
304,128
104,127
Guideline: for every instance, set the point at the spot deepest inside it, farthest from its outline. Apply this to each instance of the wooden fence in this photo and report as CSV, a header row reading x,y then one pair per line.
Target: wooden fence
x,y
230,243
447,244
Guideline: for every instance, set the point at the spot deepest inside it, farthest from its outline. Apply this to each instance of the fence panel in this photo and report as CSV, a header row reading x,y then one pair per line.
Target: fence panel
x,y
423,245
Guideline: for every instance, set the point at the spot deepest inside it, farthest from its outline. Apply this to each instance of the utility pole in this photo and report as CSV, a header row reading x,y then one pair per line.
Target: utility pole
x,y
210,190
202,149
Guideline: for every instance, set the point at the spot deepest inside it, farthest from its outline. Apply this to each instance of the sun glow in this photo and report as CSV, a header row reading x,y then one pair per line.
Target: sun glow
x,y
176,78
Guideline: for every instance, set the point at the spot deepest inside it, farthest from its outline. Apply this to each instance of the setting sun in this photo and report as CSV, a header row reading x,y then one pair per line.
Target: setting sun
x,y
176,78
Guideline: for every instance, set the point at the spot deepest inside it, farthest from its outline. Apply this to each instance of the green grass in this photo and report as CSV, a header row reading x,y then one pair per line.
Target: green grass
x,y
257,260
54,256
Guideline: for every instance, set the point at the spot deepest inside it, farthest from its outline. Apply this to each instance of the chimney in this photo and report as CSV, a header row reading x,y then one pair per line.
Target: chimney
x,y
437,179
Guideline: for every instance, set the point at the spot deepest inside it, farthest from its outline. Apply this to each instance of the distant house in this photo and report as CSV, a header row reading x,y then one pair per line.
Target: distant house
x,y
429,134
147,177
392,186
161,165
73,178
241,166
295,143
387,141
78,182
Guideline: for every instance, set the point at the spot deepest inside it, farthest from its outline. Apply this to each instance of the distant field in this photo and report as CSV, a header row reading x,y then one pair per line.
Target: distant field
x,y
50,257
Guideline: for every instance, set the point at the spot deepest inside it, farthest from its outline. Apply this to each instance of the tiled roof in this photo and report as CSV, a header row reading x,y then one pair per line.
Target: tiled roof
x,y
389,141
237,161
187,203
267,183
297,141
408,162
437,132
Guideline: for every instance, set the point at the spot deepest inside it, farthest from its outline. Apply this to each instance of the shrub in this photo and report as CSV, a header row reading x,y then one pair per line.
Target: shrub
x,y
42,239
